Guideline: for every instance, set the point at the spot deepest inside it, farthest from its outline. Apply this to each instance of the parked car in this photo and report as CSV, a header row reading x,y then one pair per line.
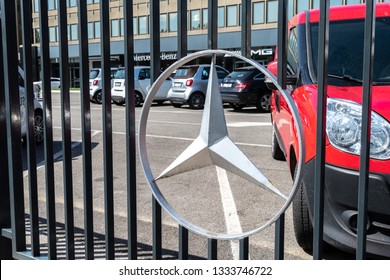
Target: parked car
x,y
189,85
246,87
55,83
95,83
343,126
38,111
141,87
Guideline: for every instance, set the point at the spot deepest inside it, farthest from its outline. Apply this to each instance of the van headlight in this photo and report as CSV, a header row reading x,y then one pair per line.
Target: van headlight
x,y
344,125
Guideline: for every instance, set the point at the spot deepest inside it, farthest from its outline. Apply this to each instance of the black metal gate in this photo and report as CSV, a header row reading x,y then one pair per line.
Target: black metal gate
x,y
15,223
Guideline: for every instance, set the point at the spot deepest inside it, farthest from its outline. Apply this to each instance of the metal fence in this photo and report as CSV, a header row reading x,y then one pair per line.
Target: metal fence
x,y
13,217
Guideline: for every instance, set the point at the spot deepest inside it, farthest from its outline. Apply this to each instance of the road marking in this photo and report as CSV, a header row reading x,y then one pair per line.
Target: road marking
x,y
170,137
232,220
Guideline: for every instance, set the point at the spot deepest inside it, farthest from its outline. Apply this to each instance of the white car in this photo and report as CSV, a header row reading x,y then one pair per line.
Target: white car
x,y
141,86
55,83
38,111
95,83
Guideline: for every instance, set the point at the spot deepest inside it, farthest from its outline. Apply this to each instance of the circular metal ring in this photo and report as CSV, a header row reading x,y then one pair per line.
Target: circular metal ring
x,y
148,172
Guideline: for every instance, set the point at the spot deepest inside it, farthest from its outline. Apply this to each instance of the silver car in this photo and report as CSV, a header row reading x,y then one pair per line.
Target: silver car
x,y
189,85
38,111
95,83
141,86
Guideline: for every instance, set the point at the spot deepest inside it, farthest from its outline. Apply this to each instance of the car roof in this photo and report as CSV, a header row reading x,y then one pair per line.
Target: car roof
x,y
345,12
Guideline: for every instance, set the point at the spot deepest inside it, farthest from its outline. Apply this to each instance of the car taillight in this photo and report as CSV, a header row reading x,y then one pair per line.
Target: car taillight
x,y
243,85
95,82
189,82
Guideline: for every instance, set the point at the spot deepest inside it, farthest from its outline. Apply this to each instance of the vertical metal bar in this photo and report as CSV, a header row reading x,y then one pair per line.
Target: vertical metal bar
x,y
157,230
212,249
183,243
244,248
48,130
282,77
66,130
130,130
86,129
182,32
246,38
5,215
182,49
30,115
368,66
212,34
12,100
282,42
107,129
319,179
279,237
155,72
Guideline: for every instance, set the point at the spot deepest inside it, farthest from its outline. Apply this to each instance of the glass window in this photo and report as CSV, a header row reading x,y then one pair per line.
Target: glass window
x,y
291,9
231,16
205,18
91,34
336,2
114,28
163,23
173,22
122,27
37,35
135,25
97,29
348,2
258,12
221,16
36,6
143,25
302,5
195,19
316,4
272,11
72,3
73,32
51,5
52,34
89,1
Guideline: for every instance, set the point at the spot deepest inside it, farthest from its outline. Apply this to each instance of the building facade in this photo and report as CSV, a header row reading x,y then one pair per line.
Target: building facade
x,y
263,25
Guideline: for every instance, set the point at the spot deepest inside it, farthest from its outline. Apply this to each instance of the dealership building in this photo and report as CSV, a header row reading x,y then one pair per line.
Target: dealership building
x,y
263,30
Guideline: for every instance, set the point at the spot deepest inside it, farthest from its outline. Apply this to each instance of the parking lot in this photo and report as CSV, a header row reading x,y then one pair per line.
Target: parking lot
x,y
209,197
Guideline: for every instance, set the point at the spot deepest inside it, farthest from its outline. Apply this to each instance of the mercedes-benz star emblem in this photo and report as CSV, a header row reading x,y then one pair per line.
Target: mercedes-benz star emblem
x,y
214,147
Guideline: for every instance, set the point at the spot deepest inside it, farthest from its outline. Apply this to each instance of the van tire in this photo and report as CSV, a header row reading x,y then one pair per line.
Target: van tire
x,y
98,97
38,127
138,99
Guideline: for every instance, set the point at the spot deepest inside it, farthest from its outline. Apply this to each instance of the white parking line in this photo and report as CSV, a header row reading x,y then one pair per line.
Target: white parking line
x,y
232,220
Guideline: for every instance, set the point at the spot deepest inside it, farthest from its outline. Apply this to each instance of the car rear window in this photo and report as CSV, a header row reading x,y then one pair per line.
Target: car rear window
x,y
240,74
120,74
185,72
94,73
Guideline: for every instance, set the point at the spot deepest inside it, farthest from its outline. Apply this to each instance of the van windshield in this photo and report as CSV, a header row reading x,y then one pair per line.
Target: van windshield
x,y
346,46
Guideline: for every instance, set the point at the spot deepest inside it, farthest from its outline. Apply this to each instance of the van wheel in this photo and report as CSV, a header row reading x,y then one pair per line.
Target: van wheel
x,y
264,103
196,100
137,99
98,97
38,127
276,151
302,223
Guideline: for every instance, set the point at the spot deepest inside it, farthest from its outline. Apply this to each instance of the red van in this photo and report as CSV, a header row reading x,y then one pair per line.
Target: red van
x,y
343,126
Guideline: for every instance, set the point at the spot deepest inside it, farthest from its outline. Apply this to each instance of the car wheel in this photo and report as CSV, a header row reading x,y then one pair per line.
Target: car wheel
x,y
38,127
236,107
98,97
276,151
196,100
137,99
264,103
302,223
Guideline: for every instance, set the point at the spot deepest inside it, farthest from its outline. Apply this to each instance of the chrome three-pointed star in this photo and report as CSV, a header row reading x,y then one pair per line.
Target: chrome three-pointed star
x,y
214,147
